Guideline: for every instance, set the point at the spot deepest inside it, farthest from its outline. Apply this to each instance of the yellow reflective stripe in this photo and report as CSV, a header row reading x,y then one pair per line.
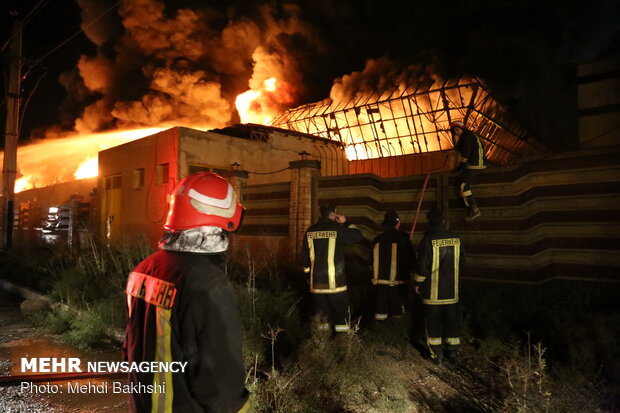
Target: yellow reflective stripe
x,y
418,278
462,159
352,226
467,193
312,258
476,167
341,328
247,407
328,290
388,282
306,269
440,302
381,316
162,402
480,152
457,256
129,305
453,341
393,263
433,341
331,267
435,274
375,263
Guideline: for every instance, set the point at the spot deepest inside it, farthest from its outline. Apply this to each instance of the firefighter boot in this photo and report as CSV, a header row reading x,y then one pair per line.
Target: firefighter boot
x,y
473,213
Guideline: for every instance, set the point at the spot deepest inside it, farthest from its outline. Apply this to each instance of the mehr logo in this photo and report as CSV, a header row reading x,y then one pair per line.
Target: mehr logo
x,y
51,365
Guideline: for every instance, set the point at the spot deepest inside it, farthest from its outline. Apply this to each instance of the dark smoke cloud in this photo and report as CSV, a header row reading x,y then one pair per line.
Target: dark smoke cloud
x,y
187,60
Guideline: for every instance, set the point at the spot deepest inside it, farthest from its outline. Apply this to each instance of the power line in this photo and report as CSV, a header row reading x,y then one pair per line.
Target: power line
x,y
25,20
78,32
34,11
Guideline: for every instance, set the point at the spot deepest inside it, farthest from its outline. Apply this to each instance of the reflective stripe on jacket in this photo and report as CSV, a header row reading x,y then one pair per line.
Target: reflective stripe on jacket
x,y
181,308
440,257
393,258
471,150
323,255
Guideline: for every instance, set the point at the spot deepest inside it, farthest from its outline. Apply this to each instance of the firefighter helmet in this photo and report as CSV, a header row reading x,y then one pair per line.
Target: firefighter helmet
x,y
204,199
457,124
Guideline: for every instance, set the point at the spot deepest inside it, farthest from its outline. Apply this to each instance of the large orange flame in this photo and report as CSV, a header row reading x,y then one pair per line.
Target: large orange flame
x,y
66,159
263,105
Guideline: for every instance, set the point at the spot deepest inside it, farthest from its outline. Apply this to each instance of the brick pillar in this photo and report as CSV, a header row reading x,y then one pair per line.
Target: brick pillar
x,y
304,202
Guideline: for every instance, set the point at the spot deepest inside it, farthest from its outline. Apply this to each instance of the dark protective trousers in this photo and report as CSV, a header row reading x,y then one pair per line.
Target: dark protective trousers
x,y
335,307
442,327
390,301
466,180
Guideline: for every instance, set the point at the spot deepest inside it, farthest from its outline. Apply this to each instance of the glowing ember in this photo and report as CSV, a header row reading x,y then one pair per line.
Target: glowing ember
x,y
87,169
263,105
65,159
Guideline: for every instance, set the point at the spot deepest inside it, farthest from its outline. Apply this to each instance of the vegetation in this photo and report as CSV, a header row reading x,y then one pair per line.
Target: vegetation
x,y
86,284
550,348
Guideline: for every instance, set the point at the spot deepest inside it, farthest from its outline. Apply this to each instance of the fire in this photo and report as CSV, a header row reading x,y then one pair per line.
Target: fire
x,y
65,159
87,169
23,183
263,105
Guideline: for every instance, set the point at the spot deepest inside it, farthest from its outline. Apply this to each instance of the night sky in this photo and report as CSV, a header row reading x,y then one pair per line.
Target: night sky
x,y
526,51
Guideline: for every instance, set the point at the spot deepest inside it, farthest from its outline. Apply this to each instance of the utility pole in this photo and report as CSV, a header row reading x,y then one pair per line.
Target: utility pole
x,y
9,169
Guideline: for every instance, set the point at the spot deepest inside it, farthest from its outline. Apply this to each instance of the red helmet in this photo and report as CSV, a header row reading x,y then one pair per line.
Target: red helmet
x,y
457,124
204,199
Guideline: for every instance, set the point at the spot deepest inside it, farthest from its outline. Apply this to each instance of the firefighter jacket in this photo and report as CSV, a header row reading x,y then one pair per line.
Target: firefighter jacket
x,y
393,258
323,255
181,307
440,257
471,151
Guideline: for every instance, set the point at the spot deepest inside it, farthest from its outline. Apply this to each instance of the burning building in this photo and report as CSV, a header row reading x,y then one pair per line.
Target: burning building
x,y
414,119
544,216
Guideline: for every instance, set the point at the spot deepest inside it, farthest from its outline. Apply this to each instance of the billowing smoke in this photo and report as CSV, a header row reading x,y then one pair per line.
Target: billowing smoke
x,y
185,62
185,66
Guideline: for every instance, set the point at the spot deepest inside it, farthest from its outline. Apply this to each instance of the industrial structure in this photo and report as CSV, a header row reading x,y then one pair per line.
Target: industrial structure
x,y
545,216
414,119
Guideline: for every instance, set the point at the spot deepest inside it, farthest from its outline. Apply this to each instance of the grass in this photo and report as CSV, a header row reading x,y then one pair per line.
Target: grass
x,y
87,284
550,348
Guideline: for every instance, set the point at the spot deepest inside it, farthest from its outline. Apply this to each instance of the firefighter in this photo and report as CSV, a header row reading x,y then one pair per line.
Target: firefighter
x,y
323,260
393,261
471,159
181,306
437,281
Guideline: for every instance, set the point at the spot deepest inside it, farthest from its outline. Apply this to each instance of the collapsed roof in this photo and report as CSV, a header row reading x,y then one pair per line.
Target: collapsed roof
x,y
415,119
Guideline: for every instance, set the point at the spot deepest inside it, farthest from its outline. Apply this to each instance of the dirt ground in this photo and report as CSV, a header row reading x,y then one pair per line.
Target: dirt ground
x,y
18,338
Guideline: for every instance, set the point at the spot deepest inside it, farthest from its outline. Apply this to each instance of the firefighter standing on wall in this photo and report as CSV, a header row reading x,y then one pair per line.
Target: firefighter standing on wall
x,y
181,306
471,159
393,261
437,281
323,261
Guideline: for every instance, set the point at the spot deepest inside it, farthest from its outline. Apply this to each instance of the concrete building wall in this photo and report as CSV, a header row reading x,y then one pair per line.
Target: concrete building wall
x,y
219,151
143,205
129,210
550,218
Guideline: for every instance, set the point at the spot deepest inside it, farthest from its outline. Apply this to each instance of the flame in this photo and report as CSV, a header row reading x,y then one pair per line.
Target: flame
x,y
87,169
23,183
65,159
263,105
